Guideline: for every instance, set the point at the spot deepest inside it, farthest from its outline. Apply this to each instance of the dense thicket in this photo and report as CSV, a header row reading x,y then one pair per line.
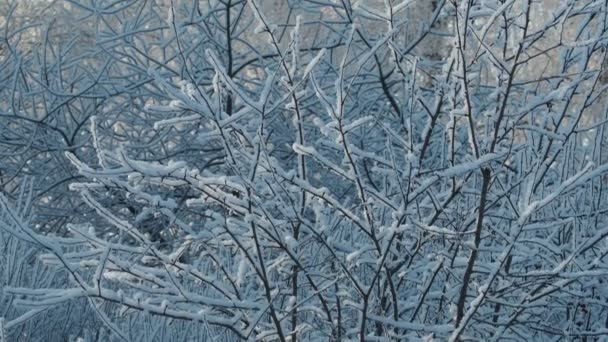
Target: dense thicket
x,y
314,170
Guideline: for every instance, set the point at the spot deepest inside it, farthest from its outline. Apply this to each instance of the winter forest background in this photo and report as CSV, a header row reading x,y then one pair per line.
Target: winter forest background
x,y
312,170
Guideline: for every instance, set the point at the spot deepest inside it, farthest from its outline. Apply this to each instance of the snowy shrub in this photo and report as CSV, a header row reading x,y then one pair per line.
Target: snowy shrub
x,y
313,170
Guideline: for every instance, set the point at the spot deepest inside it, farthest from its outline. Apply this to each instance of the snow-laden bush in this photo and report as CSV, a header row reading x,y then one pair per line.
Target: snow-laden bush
x,y
317,170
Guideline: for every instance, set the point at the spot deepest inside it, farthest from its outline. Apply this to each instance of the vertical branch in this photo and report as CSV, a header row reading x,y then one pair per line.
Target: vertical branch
x,y
486,176
3,337
229,62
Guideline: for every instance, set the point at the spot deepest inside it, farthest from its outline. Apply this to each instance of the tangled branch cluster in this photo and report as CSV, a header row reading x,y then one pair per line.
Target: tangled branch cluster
x,y
313,170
